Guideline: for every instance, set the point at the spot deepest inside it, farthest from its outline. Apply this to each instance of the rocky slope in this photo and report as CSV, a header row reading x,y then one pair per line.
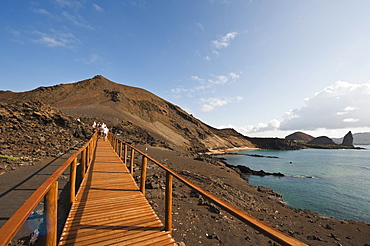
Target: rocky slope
x,y
99,98
31,130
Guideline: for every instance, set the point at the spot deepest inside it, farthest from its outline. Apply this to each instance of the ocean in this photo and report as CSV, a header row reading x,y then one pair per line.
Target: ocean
x,y
333,183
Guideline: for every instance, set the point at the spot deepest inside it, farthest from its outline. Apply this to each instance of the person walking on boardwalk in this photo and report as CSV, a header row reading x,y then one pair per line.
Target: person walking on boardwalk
x,y
105,132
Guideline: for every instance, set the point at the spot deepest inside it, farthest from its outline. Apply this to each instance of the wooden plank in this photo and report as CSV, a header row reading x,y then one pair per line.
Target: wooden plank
x,y
110,209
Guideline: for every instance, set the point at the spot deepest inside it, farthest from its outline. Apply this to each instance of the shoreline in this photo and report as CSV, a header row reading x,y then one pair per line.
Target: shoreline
x,y
223,151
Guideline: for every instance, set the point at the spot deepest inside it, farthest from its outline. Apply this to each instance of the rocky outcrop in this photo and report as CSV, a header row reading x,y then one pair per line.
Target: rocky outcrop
x,y
348,139
248,171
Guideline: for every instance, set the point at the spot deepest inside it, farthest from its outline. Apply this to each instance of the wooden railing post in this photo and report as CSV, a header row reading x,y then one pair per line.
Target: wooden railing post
x,y
91,150
51,217
132,159
168,218
87,156
120,149
83,163
72,181
143,174
125,154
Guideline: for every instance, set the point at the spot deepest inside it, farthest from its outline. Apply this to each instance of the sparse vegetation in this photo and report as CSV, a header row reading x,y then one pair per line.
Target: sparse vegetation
x,y
10,158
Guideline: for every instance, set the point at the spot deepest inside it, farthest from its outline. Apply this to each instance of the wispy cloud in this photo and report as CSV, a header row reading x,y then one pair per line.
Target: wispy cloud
x,y
77,20
98,8
42,12
93,58
13,32
55,39
224,41
68,4
218,44
200,26
207,86
206,83
210,104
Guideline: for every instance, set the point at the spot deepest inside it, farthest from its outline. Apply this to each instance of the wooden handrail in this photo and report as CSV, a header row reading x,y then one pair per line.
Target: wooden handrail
x,y
258,225
15,222
49,189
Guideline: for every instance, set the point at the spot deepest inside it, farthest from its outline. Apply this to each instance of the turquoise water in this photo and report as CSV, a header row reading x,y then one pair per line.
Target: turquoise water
x,y
334,183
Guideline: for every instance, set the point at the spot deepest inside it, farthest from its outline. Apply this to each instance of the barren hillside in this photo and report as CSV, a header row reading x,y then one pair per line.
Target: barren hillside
x,y
100,98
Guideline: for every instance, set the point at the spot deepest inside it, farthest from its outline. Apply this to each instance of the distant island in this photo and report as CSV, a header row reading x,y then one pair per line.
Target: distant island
x,y
324,142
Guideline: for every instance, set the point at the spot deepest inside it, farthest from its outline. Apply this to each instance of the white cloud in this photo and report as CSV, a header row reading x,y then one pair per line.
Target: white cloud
x,y
98,8
196,78
333,111
215,52
209,104
351,120
349,108
340,105
55,39
178,90
208,86
261,127
207,83
234,76
52,42
207,58
220,80
224,41
346,110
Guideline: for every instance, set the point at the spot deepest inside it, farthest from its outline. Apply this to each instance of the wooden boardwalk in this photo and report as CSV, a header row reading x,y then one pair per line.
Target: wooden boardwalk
x,y
109,208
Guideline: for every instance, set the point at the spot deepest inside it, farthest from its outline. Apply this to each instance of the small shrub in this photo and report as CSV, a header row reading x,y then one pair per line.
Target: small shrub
x,y
10,158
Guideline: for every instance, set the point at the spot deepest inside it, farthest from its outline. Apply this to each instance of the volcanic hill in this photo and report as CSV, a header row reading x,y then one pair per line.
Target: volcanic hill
x,y
300,136
128,107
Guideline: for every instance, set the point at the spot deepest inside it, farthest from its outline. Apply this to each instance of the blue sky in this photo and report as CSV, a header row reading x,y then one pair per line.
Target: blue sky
x,y
265,68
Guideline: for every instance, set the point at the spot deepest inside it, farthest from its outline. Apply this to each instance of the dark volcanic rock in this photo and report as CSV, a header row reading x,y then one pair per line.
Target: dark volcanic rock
x,y
247,170
30,130
275,143
348,139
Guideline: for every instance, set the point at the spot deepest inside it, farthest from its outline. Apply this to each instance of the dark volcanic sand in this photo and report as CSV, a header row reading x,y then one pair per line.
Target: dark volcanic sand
x,y
198,222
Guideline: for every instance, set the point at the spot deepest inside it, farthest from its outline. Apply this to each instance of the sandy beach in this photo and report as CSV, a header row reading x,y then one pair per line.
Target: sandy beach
x,y
223,151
